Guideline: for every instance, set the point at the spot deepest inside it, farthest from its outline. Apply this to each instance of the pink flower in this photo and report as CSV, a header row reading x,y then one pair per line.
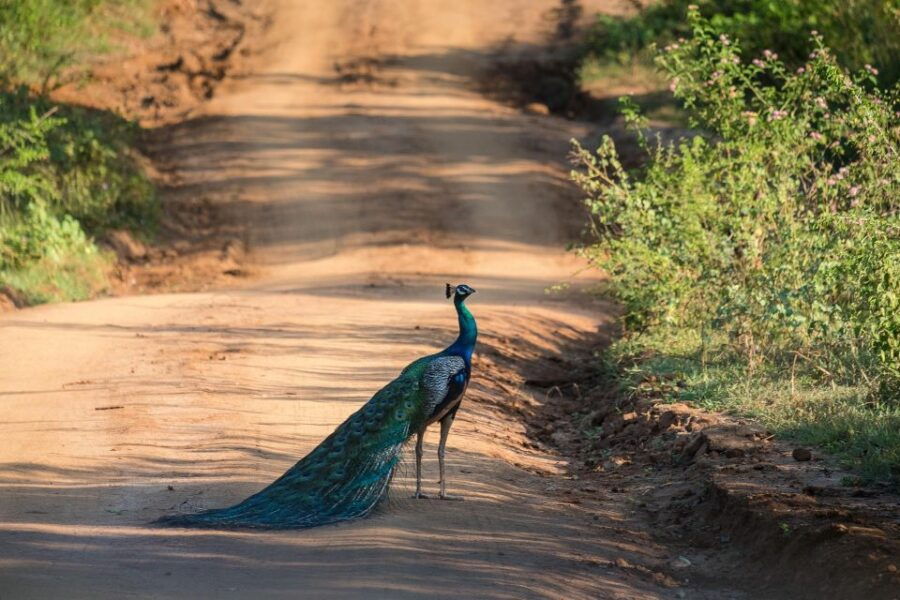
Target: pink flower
x,y
724,39
801,71
820,102
871,69
816,136
758,63
854,191
750,116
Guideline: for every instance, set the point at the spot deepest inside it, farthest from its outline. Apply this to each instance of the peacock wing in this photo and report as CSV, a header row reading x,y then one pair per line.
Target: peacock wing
x,y
437,380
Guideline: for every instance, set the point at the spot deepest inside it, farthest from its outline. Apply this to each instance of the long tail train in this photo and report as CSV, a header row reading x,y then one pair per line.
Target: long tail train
x,y
343,478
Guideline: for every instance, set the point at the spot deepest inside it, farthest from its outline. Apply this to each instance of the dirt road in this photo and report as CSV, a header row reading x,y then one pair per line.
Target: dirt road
x,y
368,171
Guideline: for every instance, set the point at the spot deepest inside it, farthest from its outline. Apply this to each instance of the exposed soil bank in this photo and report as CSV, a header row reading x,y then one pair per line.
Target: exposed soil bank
x,y
775,520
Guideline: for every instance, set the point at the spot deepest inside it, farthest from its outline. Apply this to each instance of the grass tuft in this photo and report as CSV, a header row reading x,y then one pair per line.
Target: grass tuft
x,y
41,38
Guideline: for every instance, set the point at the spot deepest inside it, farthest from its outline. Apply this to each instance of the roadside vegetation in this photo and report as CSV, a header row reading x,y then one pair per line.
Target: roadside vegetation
x,y
42,39
861,31
67,173
758,262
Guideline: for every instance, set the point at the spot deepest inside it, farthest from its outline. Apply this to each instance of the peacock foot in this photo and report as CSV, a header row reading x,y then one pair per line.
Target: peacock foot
x,y
422,496
451,497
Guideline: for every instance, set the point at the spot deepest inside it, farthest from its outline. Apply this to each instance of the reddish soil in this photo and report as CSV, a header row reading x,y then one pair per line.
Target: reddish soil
x,y
167,77
769,517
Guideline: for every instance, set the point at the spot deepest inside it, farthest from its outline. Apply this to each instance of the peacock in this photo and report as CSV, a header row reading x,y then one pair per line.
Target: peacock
x,y
348,474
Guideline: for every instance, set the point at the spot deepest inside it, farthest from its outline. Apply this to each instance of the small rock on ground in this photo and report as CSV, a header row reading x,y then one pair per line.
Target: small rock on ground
x,y
801,454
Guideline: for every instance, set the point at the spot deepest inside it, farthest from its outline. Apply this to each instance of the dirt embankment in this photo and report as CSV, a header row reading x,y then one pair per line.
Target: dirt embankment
x,y
783,520
162,82
166,77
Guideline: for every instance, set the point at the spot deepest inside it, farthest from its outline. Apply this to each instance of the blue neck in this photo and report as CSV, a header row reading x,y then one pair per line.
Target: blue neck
x,y
468,332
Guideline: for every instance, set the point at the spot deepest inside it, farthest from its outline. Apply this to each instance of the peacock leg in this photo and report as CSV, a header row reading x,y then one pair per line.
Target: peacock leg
x,y
446,422
419,440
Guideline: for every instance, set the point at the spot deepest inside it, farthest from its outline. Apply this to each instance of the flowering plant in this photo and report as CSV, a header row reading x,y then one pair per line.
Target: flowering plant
x,y
778,226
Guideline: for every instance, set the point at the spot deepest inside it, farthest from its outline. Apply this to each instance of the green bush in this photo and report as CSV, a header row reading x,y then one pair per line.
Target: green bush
x,y
860,31
65,173
77,160
49,258
772,240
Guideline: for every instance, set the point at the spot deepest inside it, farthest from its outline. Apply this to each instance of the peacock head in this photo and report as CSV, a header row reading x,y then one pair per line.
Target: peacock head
x,y
462,291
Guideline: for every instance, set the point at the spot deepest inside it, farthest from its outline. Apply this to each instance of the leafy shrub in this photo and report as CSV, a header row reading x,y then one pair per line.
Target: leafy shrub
x,y
49,258
861,31
78,161
23,144
774,236
65,172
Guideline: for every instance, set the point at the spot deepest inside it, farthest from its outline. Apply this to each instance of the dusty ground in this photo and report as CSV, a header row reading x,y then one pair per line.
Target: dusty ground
x,y
364,170
167,76
768,517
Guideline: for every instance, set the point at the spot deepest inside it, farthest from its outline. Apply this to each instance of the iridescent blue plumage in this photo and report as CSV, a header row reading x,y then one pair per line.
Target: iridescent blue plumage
x,y
348,474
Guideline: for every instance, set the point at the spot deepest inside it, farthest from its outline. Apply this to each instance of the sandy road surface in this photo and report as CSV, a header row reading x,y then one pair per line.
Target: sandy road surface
x,y
368,172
